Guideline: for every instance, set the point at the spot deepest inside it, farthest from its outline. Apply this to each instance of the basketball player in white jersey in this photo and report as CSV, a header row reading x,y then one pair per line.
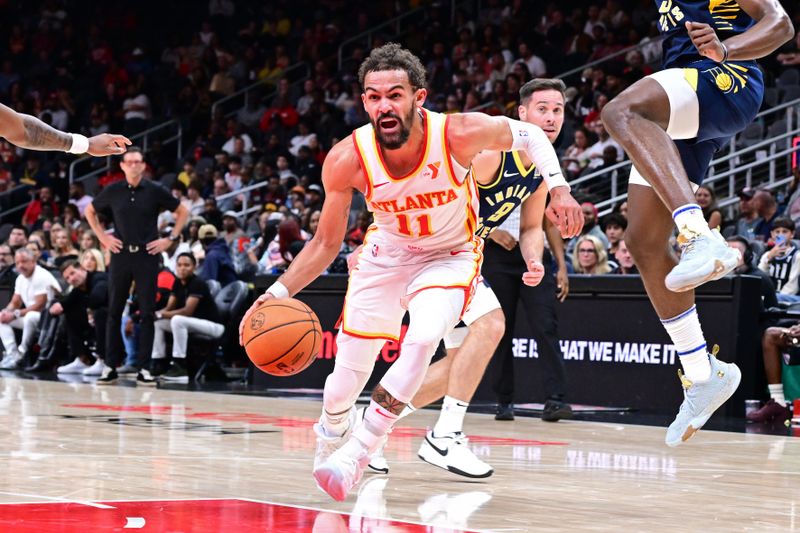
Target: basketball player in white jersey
x,y
505,184
31,133
420,255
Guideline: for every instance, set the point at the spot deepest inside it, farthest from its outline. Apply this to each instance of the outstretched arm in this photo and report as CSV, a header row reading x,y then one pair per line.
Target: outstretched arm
x,y
772,30
472,132
31,133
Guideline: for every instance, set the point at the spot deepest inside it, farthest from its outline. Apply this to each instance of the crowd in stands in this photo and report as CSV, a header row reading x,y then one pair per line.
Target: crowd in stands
x,y
108,69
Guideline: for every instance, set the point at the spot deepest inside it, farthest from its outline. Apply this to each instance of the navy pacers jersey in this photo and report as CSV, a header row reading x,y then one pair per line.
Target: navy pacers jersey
x,y
725,16
513,185
729,94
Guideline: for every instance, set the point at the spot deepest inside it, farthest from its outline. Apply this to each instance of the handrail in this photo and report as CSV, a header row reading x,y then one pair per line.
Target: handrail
x,y
721,159
9,192
778,107
141,135
483,106
246,90
728,173
7,212
248,188
608,57
747,166
768,186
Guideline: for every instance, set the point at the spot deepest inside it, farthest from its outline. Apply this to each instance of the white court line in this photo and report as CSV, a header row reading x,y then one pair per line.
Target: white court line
x,y
134,522
55,499
402,520
233,498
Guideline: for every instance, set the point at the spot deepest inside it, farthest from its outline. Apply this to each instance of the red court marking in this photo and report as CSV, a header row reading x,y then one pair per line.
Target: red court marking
x,y
302,422
196,516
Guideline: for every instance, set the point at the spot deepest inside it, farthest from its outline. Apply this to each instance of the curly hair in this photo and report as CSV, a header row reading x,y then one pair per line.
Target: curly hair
x,y
392,56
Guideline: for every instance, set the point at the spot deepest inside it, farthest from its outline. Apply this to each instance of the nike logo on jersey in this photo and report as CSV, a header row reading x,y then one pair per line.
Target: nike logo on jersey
x,y
381,184
456,252
508,174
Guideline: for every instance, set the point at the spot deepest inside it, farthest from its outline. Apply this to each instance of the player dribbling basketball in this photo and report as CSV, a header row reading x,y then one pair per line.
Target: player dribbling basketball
x,y
420,255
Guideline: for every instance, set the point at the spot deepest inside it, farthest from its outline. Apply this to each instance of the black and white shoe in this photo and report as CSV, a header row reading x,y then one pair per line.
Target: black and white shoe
x,y
108,377
145,378
176,373
451,452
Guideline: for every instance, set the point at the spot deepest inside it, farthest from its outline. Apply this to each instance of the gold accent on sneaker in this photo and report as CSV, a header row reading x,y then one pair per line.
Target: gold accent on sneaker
x,y
685,382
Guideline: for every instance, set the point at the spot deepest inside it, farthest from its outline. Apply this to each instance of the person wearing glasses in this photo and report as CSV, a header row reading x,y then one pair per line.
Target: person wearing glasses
x,y
133,205
590,256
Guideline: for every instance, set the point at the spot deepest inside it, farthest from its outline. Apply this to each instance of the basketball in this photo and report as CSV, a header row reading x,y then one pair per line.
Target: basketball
x,y
282,337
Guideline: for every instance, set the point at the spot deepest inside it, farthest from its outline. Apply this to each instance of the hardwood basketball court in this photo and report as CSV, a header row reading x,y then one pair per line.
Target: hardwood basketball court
x,y
77,457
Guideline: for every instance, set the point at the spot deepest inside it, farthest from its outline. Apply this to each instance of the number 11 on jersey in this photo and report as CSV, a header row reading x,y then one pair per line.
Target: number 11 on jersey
x,y
422,221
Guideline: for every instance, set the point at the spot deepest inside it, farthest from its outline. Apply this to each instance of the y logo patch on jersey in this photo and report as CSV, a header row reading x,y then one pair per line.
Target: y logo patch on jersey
x,y
375,250
432,170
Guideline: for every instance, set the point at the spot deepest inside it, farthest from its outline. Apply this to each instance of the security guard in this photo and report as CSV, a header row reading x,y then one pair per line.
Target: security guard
x,y
133,205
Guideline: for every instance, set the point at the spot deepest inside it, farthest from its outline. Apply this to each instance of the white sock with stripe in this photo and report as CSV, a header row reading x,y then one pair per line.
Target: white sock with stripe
x,y
690,216
690,344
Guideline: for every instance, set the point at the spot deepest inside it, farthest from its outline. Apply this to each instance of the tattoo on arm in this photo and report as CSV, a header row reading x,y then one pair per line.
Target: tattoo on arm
x,y
40,136
386,400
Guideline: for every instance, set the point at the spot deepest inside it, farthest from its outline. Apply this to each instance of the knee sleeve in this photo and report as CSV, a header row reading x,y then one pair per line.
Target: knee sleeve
x,y
356,353
355,359
434,312
342,388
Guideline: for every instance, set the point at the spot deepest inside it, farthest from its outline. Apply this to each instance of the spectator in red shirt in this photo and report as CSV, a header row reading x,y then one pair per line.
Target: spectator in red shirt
x,y
34,209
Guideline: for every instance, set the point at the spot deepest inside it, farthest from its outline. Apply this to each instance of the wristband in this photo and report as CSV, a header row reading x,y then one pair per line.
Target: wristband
x,y
278,290
80,144
724,52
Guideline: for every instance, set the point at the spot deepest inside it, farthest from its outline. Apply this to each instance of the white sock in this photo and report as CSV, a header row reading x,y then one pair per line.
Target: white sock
x,y
451,418
407,410
690,344
690,216
776,393
378,422
335,424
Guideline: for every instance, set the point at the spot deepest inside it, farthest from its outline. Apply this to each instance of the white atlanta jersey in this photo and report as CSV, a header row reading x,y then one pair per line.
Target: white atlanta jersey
x,y
432,208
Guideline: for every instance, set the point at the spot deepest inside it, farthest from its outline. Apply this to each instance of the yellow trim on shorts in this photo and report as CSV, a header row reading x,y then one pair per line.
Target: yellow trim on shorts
x,y
690,75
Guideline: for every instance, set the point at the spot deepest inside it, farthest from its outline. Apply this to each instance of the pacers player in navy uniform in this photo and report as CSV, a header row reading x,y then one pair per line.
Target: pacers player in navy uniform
x,y
506,181
670,124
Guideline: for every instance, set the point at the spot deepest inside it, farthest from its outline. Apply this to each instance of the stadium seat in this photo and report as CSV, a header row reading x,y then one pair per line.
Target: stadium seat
x,y
788,77
168,179
777,128
771,96
758,250
752,134
789,93
231,302
214,287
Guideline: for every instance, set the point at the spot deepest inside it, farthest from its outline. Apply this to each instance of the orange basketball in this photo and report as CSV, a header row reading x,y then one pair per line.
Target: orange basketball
x,y
282,337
